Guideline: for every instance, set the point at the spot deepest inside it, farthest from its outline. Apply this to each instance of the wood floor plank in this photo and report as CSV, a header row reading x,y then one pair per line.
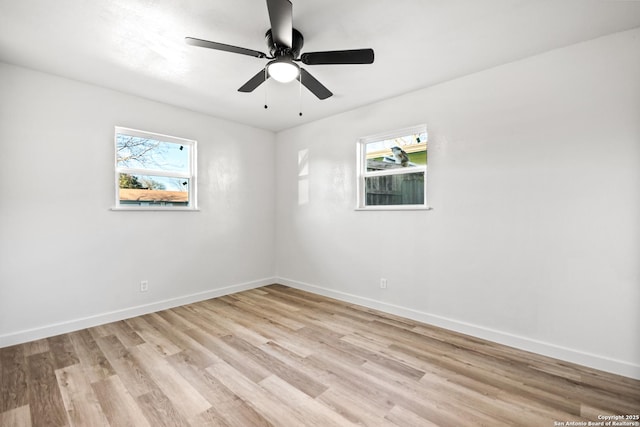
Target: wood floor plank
x,y
264,312
111,347
295,378
159,410
92,359
230,355
17,417
194,315
334,323
313,412
210,418
162,344
198,353
126,335
185,397
62,350
380,358
35,347
302,298
474,407
175,320
540,372
119,407
286,339
13,378
264,403
511,385
277,356
510,406
350,377
272,303
80,401
323,342
45,400
209,387
402,417
135,379
303,364
277,313
267,326
228,409
219,317
353,406
239,414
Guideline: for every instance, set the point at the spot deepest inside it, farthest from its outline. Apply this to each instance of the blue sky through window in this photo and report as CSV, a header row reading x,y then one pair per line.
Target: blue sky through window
x,y
144,153
152,155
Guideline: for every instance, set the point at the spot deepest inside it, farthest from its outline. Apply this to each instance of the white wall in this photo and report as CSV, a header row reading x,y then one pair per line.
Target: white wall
x,y
534,177
67,260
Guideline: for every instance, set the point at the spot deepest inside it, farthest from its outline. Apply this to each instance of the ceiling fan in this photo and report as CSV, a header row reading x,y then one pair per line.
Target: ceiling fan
x,y
284,43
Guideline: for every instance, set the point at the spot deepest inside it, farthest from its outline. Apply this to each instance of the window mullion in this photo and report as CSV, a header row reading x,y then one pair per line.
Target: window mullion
x,y
398,171
153,172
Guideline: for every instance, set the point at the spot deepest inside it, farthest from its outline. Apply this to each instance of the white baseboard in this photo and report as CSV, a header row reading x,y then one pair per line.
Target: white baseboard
x,y
546,349
126,313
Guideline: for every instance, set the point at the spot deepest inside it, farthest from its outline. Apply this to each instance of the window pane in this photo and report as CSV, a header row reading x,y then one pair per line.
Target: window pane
x,y
404,189
404,151
149,190
145,153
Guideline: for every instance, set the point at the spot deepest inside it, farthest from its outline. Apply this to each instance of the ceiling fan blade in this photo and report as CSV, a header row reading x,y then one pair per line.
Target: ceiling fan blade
x,y
255,81
223,47
355,56
281,17
313,85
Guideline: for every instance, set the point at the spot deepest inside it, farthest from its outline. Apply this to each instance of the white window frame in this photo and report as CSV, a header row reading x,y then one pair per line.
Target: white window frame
x,y
191,174
363,173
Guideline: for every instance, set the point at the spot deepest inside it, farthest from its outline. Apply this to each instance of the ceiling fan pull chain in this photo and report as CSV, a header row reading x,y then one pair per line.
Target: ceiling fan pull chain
x,y
265,88
300,94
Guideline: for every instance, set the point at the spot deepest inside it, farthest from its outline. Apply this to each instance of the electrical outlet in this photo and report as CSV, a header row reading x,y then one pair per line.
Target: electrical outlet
x,y
144,286
383,283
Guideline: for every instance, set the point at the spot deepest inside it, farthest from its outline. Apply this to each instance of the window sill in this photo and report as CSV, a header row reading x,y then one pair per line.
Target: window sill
x,y
154,208
395,208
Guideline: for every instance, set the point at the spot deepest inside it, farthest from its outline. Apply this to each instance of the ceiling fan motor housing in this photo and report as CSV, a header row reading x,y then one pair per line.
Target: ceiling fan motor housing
x,y
293,51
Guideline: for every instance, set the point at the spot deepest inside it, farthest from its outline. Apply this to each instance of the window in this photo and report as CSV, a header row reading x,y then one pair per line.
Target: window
x,y
392,170
154,171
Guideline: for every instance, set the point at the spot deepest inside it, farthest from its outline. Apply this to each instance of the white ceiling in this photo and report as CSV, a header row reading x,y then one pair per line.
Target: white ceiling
x,y
137,46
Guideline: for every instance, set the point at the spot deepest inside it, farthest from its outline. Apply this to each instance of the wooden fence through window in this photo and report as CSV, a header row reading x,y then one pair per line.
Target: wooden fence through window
x,y
405,189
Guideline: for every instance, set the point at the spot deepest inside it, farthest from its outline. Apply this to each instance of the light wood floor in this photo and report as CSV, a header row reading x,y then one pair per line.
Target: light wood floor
x,y
283,357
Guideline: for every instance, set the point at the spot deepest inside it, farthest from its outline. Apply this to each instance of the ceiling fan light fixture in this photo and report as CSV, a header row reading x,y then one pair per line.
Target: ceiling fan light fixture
x,y
283,71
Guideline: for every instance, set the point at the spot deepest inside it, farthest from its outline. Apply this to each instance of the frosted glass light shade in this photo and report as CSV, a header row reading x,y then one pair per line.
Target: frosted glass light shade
x,y
284,72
